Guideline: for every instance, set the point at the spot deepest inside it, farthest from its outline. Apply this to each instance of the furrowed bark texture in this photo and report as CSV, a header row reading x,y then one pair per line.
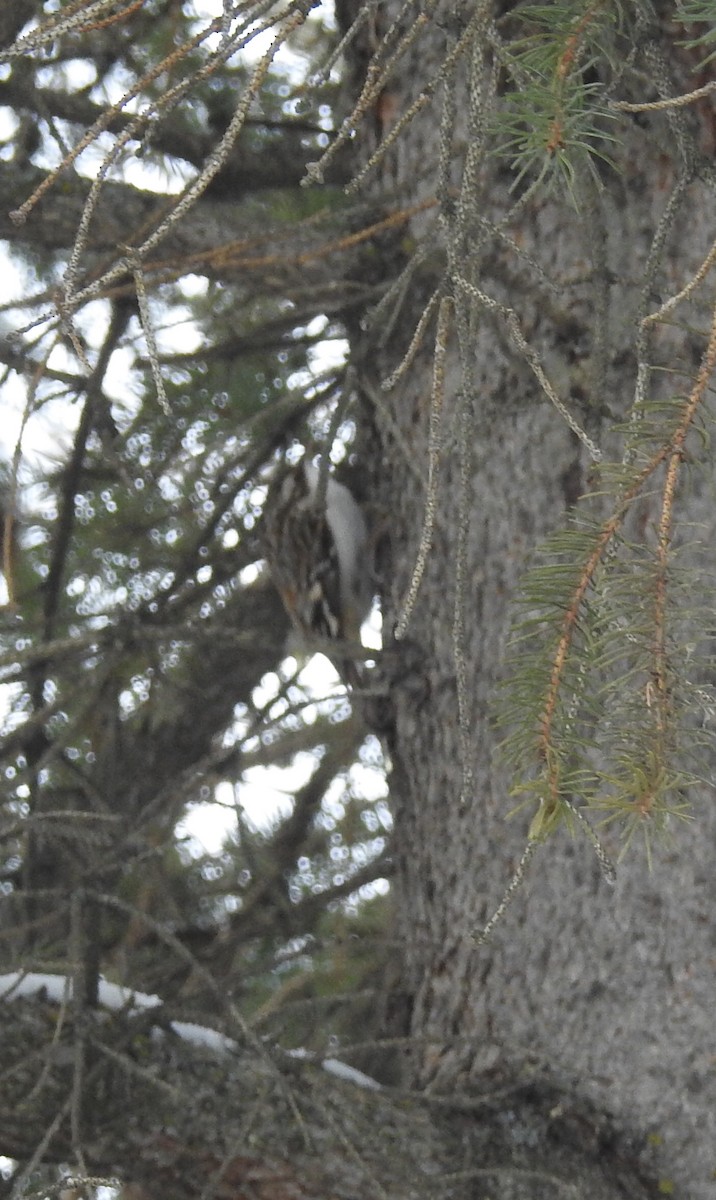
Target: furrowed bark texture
x,y
606,991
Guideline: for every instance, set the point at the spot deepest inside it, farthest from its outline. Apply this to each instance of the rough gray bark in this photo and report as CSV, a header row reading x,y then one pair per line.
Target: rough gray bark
x,y
607,992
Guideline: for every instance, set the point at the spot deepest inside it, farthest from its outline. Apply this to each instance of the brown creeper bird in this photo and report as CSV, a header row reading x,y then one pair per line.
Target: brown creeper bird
x,y
317,551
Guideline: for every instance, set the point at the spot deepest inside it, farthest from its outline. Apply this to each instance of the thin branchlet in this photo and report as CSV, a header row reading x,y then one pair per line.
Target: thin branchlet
x,y
519,877
413,109
434,446
148,328
376,79
462,580
667,220
532,358
366,14
697,278
416,342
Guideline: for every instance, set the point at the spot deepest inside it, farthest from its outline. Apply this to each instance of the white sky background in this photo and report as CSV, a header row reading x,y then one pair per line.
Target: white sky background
x,y
49,435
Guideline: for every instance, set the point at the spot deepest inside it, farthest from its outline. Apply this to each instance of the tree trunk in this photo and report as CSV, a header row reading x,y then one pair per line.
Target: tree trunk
x,y
602,993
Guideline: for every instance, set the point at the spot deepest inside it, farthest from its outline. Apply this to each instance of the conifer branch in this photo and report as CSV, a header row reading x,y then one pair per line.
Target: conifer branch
x,y
671,454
